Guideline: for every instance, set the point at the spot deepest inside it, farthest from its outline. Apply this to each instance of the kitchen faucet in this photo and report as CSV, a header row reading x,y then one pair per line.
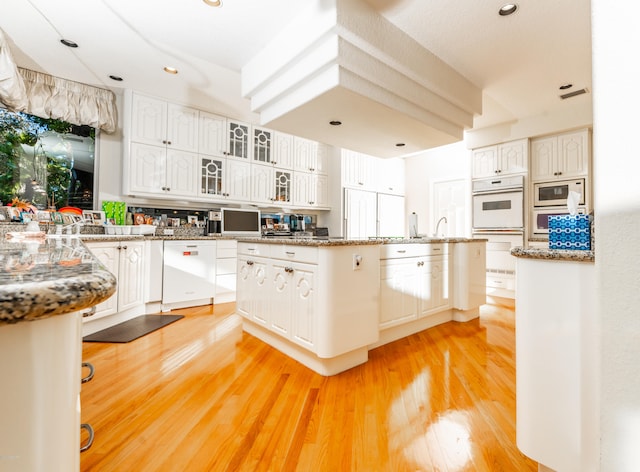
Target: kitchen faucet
x,y
438,225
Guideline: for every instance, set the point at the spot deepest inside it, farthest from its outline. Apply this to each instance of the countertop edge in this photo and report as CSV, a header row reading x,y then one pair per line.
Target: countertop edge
x,y
553,254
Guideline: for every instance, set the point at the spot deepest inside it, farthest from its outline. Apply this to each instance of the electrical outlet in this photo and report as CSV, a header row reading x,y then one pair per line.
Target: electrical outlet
x,y
357,261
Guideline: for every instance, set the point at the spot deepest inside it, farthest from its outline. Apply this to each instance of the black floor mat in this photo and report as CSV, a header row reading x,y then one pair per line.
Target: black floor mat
x,y
132,329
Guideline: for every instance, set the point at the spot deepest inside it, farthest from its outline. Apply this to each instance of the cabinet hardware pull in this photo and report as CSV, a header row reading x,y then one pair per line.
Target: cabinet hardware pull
x,y
87,427
124,247
164,141
169,142
290,253
90,312
402,251
250,263
92,370
288,269
119,248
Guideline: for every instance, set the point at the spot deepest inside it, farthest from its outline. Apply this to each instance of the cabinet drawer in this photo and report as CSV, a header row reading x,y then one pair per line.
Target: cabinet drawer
x,y
397,251
226,253
227,244
226,266
437,249
295,253
504,281
254,249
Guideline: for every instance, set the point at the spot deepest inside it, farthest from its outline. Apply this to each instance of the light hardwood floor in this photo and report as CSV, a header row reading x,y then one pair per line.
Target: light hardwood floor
x,y
201,395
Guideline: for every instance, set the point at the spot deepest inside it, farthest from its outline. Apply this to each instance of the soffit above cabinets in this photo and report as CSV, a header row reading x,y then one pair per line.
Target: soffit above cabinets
x,y
342,61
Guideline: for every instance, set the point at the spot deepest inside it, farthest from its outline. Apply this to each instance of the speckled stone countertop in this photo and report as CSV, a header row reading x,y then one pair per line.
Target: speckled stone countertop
x,y
353,242
43,278
553,254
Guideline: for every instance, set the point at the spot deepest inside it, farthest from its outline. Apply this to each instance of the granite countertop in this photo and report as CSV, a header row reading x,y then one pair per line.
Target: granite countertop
x,y
355,242
553,254
47,277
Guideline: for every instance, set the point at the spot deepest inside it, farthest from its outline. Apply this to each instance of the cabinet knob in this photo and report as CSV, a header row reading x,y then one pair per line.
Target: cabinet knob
x,y
164,141
124,247
288,269
249,263
559,173
169,142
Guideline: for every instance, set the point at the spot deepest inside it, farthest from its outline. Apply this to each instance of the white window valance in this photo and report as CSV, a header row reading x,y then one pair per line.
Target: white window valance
x,y
61,99
52,97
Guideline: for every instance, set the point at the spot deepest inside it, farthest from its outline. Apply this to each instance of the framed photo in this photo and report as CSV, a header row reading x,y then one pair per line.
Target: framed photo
x,y
26,216
94,217
42,215
192,219
57,218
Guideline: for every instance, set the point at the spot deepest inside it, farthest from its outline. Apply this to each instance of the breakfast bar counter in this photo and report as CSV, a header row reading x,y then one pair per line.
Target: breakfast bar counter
x,y
44,285
556,358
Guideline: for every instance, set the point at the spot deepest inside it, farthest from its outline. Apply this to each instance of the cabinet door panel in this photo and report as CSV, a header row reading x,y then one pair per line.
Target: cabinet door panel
x,y
182,128
182,173
148,120
262,145
399,286
238,139
237,181
109,257
303,317
212,136
283,150
484,162
130,277
512,157
573,152
281,290
262,183
211,176
544,154
147,169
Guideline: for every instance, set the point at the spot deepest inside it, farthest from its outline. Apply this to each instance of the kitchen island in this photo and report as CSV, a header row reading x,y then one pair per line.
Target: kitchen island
x,y
44,286
326,303
556,358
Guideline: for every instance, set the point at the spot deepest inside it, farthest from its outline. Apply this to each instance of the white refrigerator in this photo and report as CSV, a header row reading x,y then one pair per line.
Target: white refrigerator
x,y
369,214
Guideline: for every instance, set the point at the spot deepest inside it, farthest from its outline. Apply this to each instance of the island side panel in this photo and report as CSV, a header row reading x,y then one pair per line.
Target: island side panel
x,y
348,298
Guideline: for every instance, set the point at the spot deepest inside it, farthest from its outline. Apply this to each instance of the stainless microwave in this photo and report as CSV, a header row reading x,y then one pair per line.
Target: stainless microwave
x,y
540,219
556,193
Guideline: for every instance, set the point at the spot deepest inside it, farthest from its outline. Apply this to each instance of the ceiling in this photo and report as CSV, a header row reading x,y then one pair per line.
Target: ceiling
x,y
518,62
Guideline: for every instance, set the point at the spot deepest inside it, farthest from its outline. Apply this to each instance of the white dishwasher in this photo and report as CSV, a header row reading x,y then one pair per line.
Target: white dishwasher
x,y
189,271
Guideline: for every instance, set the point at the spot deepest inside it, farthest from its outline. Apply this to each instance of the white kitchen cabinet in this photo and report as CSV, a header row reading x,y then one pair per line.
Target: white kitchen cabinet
x,y
223,178
226,270
238,139
359,170
559,157
159,123
270,185
309,156
253,298
125,260
212,134
501,159
310,190
390,176
262,145
160,172
399,281
283,150
284,288
414,282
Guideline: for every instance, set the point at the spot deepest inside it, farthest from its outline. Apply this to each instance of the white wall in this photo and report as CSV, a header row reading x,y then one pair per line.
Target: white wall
x,y
422,171
616,37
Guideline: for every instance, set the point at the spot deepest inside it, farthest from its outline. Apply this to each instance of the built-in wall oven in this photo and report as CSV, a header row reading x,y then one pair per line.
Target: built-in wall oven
x,y
498,216
498,204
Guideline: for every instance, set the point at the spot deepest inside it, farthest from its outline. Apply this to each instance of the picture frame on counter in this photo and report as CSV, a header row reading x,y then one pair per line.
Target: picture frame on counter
x,y
95,217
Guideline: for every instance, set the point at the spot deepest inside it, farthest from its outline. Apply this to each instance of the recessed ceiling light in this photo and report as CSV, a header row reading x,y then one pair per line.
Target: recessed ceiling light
x,y
116,78
170,70
335,123
507,9
69,43
400,144
565,86
213,3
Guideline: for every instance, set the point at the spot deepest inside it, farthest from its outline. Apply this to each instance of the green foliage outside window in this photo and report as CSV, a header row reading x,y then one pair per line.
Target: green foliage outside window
x,y
30,173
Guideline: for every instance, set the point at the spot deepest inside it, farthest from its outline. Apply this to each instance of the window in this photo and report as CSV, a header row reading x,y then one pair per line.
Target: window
x,y
46,162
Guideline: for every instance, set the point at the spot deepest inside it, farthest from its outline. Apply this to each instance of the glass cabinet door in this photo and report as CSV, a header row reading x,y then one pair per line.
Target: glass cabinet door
x,y
283,186
238,134
262,145
211,173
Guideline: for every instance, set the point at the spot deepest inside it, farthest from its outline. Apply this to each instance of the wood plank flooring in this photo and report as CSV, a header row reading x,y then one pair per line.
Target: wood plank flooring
x,y
201,395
